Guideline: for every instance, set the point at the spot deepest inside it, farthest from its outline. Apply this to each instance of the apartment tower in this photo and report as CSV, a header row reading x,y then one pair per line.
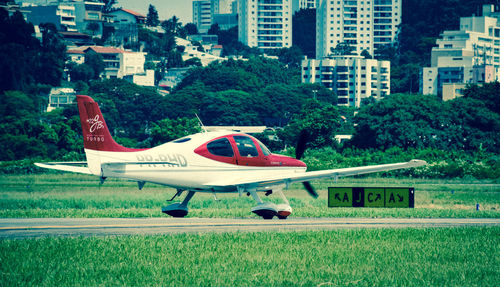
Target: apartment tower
x,y
363,24
265,24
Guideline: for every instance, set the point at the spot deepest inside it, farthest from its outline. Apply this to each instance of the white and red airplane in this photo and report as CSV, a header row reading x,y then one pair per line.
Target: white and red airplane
x,y
213,162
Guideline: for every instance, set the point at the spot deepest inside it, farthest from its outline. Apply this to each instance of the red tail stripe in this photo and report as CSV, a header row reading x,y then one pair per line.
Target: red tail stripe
x,y
96,134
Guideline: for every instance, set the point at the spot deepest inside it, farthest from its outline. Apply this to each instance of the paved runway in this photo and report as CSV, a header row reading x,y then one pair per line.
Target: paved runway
x,y
46,227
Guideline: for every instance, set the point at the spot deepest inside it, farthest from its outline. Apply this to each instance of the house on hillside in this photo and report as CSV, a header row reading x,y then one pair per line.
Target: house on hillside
x,y
126,16
118,63
125,27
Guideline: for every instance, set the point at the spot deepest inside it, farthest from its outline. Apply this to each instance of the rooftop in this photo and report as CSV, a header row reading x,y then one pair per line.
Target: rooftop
x,y
136,14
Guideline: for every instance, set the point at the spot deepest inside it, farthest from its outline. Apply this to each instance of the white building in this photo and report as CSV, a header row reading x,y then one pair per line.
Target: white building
x,y
205,12
86,13
303,4
353,78
191,51
76,56
265,24
469,55
127,16
60,97
118,63
146,79
366,25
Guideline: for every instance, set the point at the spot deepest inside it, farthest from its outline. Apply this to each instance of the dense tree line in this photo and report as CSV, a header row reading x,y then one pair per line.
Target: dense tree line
x,y
25,61
470,123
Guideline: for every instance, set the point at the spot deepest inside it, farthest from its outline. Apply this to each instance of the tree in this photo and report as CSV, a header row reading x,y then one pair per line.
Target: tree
x,y
214,29
365,54
170,129
96,62
152,17
172,25
291,57
401,120
129,109
186,103
80,72
488,93
475,126
343,49
174,59
244,109
418,121
18,49
320,121
93,27
304,31
191,29
52,57
229,40
108,5
19,129
405,78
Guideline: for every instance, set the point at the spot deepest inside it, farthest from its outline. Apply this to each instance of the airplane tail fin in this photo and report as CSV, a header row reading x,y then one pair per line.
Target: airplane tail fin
x,y
96,135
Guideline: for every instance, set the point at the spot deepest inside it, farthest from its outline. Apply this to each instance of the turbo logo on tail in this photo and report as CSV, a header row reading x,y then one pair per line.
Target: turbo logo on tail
x,y
95,124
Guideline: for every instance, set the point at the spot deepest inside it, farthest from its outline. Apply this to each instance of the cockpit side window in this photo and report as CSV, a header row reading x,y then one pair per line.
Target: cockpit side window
x,y
246,147
220,147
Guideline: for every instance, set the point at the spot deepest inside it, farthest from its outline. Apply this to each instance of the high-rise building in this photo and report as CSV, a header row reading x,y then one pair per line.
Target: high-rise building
x,y
303,4
202,17
353,78
469,55
265,24
363,24
206,12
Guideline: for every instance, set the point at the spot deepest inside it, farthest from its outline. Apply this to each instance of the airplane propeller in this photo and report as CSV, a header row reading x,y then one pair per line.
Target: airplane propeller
x,y
299,152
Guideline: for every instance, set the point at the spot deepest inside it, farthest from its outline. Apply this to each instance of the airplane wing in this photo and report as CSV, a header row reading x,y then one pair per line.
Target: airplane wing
x,y
312,175
75,166
82,167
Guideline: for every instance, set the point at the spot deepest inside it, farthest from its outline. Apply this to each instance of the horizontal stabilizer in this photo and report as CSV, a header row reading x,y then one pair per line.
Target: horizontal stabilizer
x,y
76,166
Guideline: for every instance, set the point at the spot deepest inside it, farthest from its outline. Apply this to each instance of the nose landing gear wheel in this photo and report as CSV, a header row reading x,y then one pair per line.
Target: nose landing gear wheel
x,y
266,210
283,214
284,210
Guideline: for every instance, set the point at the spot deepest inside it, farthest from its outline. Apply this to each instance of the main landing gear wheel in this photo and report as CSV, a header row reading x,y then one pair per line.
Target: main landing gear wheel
x,y
175,210
178,209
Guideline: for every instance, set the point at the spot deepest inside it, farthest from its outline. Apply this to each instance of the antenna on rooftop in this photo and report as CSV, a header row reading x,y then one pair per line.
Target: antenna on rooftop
x,y
201,123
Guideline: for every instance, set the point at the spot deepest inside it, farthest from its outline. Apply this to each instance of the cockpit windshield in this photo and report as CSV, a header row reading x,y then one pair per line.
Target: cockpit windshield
x,y
264,149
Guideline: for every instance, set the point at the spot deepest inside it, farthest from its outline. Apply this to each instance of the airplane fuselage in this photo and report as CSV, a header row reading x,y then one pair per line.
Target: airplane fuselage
x,y
187,163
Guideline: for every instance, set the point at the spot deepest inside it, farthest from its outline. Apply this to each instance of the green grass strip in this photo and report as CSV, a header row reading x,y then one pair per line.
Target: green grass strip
x,y
366,257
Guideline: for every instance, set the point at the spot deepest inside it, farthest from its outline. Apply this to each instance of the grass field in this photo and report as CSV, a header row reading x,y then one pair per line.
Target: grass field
x,y
72,195
368,257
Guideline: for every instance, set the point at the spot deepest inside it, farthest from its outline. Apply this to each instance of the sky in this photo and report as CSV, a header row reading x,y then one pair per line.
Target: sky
x,y
182,9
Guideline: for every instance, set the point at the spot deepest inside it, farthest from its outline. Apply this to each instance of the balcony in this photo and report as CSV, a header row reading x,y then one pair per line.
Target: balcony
x,y
382,2
271,2
270,14
270,26
270,38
